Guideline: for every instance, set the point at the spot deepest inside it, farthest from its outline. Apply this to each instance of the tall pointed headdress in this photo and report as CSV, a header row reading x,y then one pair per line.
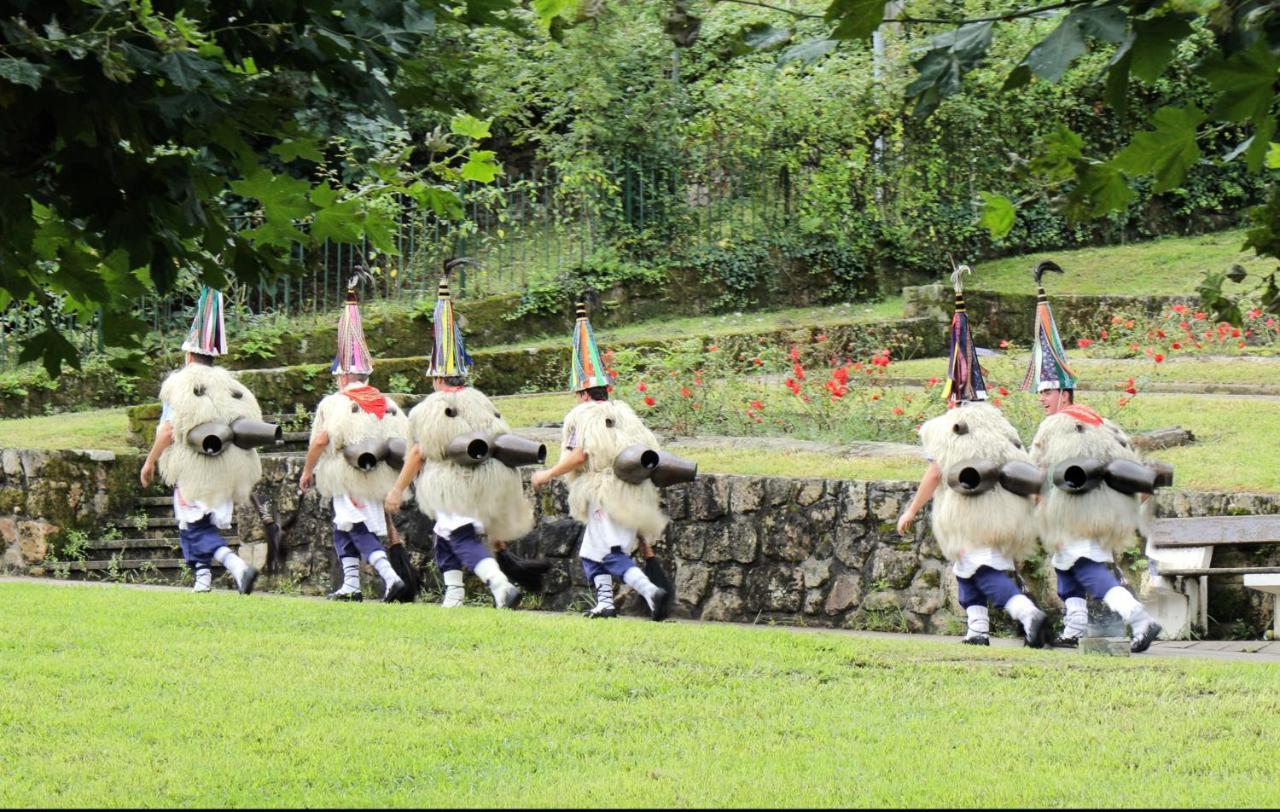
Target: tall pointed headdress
x,y
1048,368
448,355
352,357
964,376
208,333
588,369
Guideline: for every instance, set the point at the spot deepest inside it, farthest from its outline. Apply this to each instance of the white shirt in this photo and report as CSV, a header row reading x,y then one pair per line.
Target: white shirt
x,y
348,512
968,563
191,512
446,523
1065,558
603,534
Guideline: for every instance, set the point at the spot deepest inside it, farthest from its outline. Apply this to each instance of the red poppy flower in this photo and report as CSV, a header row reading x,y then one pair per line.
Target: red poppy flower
x,y
649,401
1083,343
1159,357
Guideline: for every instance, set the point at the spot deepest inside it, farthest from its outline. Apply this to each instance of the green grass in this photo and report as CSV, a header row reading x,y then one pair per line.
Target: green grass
x,y
1172,265
105,429
733,323
118,697
1009,369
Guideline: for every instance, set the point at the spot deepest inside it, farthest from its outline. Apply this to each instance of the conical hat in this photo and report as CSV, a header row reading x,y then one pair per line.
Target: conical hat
x,y
352,357
448,356
588,370
1048,368
208,333
964,375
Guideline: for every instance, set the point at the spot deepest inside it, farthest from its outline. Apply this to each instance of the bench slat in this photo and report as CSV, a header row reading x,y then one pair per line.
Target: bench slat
x,y
1217,571
1213,530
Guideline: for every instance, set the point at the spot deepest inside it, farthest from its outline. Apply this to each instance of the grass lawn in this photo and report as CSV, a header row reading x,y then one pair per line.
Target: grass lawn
x,y
119,697
105,429
732,323
1172,265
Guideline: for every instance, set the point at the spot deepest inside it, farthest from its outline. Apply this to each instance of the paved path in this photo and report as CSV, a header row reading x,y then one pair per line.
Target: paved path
x,y
1253,651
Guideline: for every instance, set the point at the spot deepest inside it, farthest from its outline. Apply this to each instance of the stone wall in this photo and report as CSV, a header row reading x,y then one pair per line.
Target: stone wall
x,y
740,548
44,494
996,316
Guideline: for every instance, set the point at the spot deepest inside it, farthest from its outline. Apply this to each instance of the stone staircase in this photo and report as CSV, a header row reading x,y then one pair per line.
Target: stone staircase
x,y
150,550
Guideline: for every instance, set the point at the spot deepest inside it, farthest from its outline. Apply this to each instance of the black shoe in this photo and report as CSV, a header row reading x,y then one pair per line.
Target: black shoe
x,y
394,590
596,612
1143,642
661,604
1038,632
1062,641
246,583
976,640
352,597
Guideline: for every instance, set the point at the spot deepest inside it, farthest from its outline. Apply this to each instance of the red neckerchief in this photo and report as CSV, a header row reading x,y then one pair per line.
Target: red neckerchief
x,y
1083,413
368,398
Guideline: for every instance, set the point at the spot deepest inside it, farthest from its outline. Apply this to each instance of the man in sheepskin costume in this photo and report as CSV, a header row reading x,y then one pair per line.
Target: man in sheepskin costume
x,y
197,453
348,459
985,486
617,514
459,483
1091,513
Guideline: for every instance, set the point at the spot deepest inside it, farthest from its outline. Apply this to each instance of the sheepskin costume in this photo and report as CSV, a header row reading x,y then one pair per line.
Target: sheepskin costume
x,y
605,429
1102,514
490,492
996,518
348,424
199,394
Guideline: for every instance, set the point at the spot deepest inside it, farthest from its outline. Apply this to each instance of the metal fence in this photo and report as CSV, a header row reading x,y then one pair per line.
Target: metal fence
x,y
516,230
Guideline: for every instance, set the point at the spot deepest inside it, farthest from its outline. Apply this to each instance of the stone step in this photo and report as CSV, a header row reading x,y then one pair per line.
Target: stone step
x,y
165,542
123,564
149,501
170,521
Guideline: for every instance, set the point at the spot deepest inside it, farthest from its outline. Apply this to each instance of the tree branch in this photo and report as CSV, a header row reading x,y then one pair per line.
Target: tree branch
x,y
801,15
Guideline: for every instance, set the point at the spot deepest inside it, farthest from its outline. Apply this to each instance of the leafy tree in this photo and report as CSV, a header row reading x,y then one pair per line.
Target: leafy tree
x,y
1240,64
132,131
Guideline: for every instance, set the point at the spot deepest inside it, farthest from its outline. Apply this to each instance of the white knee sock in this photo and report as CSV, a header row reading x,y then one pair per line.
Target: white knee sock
x,y
1021,609
234,563
204,580
350,576
1122,602
454,592
604,592
382,564
637,580
979,621
1076,618
493,577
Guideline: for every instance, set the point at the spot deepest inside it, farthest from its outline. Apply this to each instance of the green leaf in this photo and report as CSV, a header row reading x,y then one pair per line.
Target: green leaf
x,y
1273,155
855,19
1153,42
808,51
442,201
186,70
1168,151
547,10
998,214
941,69
481,166
1245,82
1099,188
1057,155
22,72
1256,155
470,126
52,349
1051,57
306,148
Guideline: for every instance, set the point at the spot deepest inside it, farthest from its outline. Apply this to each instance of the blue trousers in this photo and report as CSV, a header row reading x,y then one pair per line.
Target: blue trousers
x,y
358,542
199,541
987,585
616,563
1086,579
462,549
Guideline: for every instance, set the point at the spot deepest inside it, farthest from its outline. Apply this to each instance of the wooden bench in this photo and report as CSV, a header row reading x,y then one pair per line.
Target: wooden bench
x,y
1183,548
